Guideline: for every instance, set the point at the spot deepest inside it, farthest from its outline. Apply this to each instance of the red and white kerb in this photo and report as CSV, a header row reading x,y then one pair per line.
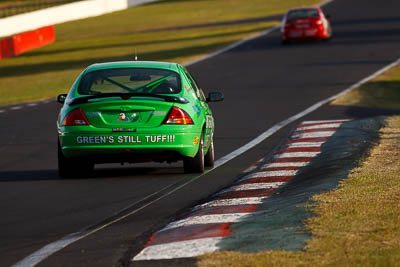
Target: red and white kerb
x,y
209,223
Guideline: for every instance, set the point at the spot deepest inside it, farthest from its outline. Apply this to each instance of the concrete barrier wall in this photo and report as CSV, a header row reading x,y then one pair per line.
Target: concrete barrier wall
x,y
60,14
23,42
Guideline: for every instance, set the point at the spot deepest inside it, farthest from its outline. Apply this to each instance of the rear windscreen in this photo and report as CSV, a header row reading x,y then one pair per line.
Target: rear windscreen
x,y
303,13
130,80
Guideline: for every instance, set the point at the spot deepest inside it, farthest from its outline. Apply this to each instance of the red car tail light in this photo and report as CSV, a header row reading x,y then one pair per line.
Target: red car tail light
x,y
319,22
288,24
178,116
75,117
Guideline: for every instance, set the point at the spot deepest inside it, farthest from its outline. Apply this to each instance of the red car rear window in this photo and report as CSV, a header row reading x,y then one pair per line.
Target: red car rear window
x,y
303,13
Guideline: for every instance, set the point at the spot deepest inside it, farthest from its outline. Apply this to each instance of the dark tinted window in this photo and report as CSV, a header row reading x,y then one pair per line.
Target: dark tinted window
x,y
195,86
130,80
303,13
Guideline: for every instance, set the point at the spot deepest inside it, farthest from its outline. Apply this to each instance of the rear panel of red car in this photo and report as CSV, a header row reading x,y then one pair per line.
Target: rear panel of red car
x,y
304,24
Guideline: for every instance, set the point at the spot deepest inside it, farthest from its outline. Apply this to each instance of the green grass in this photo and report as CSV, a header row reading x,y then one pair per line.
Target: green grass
x,y
382,92
150,29
358,224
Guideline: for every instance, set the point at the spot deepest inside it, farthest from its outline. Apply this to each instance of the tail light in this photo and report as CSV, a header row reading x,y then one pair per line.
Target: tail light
x,y
75,117
288,24
319,22
178,116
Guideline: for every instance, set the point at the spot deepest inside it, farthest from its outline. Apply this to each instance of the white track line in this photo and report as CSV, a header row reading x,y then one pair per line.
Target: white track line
x,y
324,121
296,155
209,218
41,254
319,126
303,113
269,174
181,249
231,202
304,145
284,164
254,186
250,169
232,46
313,134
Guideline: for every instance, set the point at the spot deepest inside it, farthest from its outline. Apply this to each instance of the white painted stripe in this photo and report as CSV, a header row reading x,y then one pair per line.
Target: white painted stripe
x,y
260,160
51,248
232,46
296,155
32,104
250,169
16,108
304,144
181,249
254,166
254,186
231,202
2,110
324,121
313,134
48,250
284,164
319,126
43,253
269,174
210,218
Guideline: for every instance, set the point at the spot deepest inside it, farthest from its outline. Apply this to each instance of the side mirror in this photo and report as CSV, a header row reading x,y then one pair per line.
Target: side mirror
x,y
215,97
61,98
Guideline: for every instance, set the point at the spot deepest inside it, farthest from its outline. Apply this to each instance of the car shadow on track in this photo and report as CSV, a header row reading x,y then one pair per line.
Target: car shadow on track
x,y
98,173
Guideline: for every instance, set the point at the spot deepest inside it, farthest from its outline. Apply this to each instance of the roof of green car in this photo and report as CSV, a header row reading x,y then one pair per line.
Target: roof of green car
x,y
133,64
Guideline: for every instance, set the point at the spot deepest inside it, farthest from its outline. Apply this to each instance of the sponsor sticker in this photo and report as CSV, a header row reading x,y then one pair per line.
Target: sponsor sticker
x,y
196,140
125,139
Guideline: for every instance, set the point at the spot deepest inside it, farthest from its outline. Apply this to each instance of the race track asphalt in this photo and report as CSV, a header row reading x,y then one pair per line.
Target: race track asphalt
x,y
264,83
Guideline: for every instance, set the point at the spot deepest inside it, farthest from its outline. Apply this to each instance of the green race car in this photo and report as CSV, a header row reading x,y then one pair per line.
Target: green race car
x,y
135,112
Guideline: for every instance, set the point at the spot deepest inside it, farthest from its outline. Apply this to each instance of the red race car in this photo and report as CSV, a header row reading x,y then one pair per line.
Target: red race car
x,y
305,23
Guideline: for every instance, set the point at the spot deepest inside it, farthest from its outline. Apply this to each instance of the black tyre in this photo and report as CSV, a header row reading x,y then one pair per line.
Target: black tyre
x,y
209,157
196,164
72,168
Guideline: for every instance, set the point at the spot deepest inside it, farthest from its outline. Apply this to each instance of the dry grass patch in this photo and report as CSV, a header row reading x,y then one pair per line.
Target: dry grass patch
x,y
357,224
381,92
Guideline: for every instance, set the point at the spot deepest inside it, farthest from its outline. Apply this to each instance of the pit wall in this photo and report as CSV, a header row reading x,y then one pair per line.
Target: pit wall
x,y
79,10
29,31
23,42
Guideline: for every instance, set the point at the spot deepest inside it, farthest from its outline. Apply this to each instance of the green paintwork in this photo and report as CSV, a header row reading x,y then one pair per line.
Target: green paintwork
x,y
142,129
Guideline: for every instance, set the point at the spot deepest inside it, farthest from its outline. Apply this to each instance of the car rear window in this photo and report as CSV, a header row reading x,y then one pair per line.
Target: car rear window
x,y
303,13
130,80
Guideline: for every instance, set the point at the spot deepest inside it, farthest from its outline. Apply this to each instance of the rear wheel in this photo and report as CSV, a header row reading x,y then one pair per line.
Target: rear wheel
x,y
196,164
209,157
71,168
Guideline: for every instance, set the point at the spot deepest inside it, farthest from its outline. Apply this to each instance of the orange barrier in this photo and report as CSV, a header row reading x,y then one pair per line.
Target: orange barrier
x,y
23,42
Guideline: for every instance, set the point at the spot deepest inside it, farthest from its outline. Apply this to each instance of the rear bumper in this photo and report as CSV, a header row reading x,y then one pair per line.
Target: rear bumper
x,y
129,147
312,33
